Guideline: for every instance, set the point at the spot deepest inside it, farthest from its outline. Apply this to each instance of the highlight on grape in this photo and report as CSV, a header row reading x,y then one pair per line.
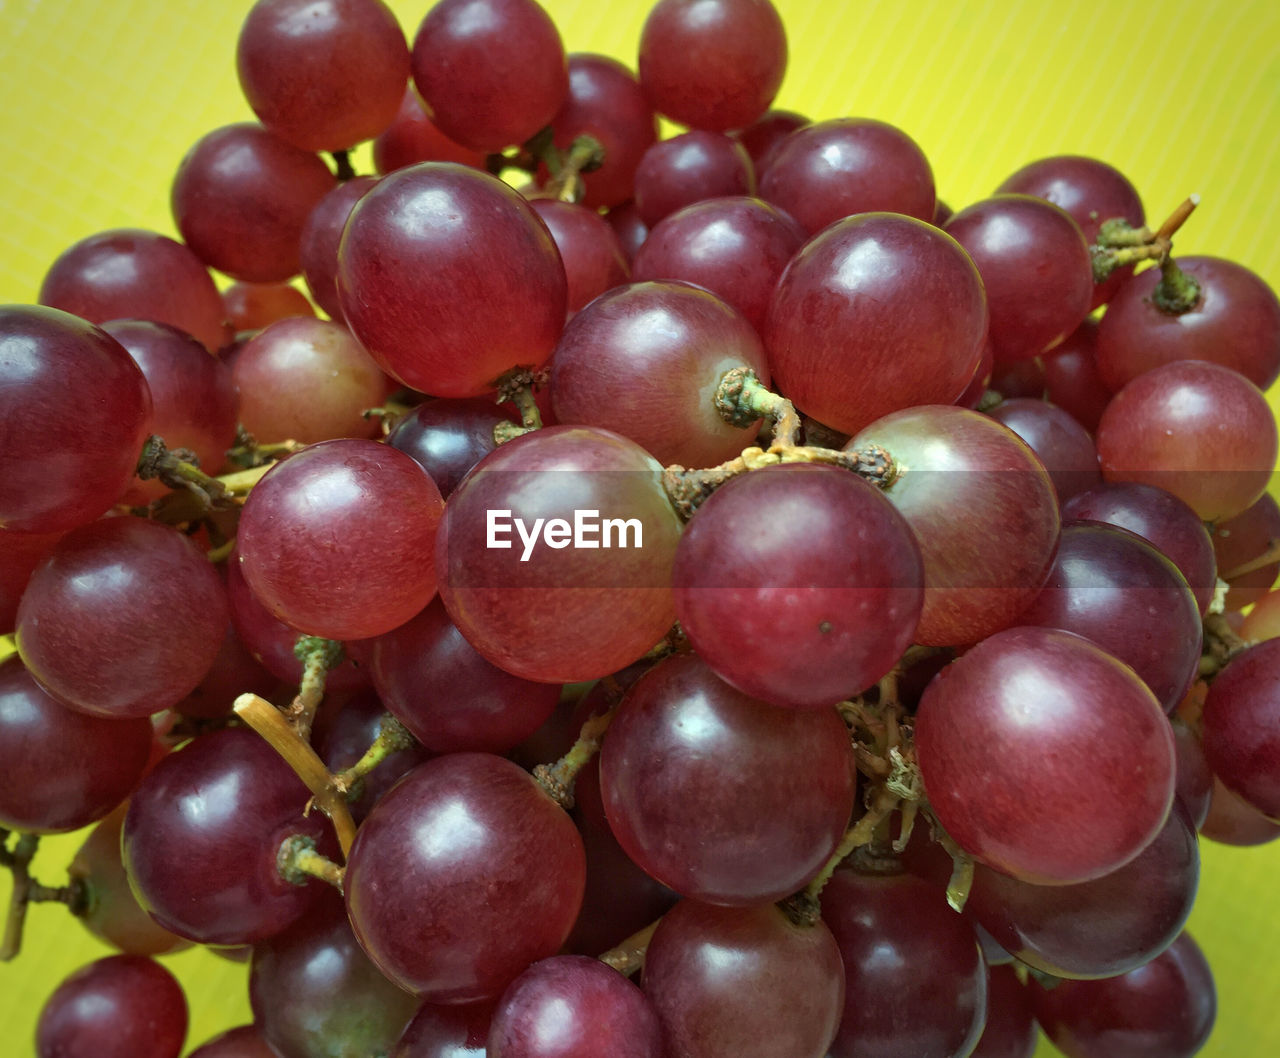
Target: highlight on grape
x,y
576,593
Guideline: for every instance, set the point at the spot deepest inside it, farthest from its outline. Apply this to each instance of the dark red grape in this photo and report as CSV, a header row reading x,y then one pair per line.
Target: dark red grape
x,y
1117,590
915,980
108,908
1161,519
542,610
323,75
744,982
454,1031
271,642
589,248
1165,1009
766,132
202,835
193,398
1241,733
1062,444
1092,191
1196,429
644,360
876,313
1101,928
688,168
712,64
448,437
1069,733
320,238
375,501
571,1006
447,695
240,198
1235,322
243,1042
492,72
842,166
982,509
307,380
1036,268
20,554
464,874
683,737
413,137
736,247
606,103
123,619
132,273
449,279
1010,1030
625,221
1071,379
829,606
315,994
63,770
50,361
123,1006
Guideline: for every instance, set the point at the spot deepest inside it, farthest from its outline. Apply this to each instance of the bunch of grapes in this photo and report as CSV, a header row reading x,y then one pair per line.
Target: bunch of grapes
x,y
694,597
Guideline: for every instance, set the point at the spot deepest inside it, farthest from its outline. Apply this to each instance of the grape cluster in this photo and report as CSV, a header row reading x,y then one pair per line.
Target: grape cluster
x,y
708,556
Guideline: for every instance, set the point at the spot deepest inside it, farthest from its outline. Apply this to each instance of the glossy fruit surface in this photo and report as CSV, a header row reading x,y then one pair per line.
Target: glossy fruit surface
x,y
348,491
831,604
462,875
876,313
1069,732
123,1006
124,618
50,359
449,279
682,736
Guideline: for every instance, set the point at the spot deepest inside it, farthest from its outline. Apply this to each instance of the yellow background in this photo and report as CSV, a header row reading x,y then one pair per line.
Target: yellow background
x,y
99,99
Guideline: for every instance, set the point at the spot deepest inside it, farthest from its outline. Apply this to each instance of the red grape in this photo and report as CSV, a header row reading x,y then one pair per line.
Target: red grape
x,y
63,769
492,72
876,313
123,1006
413,137
551,612
322,74
644,360
712,64
1241,734
1036,268
130,273
1196,429
123,619
744,982
240,198
51,361
688,168
464,874
684,738
1165,1009
829,606
1069,734
337,539
842,166
449,279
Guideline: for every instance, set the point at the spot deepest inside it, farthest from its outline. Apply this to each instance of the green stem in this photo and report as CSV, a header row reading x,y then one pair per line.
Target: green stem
x,y
1177,292
318,656
557,779
393,737
628,956
742,400
297,861
19,862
